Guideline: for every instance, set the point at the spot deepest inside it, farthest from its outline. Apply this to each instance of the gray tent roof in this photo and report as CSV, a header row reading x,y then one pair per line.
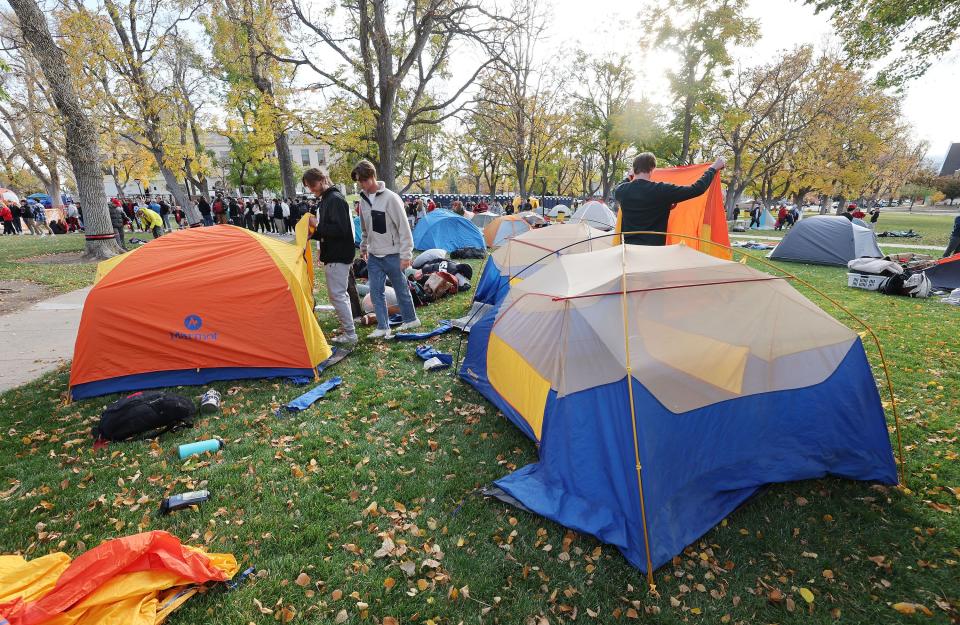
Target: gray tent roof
x,y
827,240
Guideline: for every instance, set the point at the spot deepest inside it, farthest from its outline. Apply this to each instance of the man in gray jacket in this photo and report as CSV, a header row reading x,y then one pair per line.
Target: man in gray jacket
x,y
387,246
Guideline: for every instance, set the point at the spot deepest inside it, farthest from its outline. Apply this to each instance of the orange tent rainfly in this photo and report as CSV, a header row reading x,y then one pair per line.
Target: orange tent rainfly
x,y
702,217
198,305
135,580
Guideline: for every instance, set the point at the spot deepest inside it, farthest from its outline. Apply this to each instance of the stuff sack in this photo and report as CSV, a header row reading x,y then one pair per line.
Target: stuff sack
x,y
144,415
908,284
468,252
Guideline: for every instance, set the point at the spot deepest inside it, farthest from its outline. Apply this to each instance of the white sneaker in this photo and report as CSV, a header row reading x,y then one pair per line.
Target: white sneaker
x,y
344,339
381,334
409,326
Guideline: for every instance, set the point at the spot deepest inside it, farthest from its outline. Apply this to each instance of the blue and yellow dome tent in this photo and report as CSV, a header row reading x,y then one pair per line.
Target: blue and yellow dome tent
x,y
665,386
446,230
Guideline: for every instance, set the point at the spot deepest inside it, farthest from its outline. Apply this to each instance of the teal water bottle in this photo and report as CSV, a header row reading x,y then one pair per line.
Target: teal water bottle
x,y
189,449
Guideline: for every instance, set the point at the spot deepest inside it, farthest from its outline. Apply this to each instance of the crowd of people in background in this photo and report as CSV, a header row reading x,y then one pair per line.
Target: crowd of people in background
x,y
32,215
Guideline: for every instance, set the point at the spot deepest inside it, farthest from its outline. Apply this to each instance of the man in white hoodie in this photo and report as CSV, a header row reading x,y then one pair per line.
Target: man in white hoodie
x,y
386,244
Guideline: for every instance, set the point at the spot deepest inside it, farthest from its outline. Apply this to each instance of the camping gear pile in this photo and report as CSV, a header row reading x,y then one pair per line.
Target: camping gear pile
x,y
431,277
909,274
899,234
632,356
887,277
199,305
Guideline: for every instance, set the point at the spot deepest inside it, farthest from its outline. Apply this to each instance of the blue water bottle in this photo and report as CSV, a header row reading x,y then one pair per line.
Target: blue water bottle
x,y
190,449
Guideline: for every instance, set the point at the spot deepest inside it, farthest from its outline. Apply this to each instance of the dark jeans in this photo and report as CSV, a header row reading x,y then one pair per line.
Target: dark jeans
x,y
379,268
119,233
953,247
207,220
157,232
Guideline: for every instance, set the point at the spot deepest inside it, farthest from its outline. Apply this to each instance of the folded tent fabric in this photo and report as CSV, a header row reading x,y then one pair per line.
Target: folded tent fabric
x,y
134,580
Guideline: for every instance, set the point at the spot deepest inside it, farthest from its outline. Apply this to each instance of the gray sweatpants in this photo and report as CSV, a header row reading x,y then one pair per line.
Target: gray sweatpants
x,y
338,279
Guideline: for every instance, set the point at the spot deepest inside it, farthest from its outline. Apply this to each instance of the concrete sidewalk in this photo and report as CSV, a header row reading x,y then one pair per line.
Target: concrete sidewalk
x,y
880,242
39,338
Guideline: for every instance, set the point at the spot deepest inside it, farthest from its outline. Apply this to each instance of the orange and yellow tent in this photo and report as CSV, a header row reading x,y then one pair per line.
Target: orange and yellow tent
x,y
135,580
702,217
198,305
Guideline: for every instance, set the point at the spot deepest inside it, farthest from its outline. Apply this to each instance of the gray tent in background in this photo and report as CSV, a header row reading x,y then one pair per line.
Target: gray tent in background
x,y
827,240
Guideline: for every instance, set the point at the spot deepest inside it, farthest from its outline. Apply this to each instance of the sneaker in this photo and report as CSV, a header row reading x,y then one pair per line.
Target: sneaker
x,y
344,339
381,334
409,326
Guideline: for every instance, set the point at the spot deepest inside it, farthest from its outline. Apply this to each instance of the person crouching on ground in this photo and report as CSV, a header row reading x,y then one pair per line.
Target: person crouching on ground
x,y
334,230
646,204
151,221
387,246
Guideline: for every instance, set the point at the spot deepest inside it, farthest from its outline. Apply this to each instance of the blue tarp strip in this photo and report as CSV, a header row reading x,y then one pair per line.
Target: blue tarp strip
x,y
417,336
307,399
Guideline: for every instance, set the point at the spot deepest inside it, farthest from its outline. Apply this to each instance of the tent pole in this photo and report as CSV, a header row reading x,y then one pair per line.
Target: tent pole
x,y
633,413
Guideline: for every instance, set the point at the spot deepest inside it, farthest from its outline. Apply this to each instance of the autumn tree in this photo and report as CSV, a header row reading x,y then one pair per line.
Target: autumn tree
x,y
82,149
768,109
523,97
949,186
121,50
703,34
379,53
913,33
29,119
188,95
246,39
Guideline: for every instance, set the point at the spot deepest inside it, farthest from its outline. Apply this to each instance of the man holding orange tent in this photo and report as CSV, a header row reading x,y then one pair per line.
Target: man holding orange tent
x,y
646,205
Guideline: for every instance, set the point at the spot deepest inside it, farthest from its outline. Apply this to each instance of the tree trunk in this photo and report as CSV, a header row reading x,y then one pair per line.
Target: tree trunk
x,y
687,130
83,150
179,193
385,144
286,164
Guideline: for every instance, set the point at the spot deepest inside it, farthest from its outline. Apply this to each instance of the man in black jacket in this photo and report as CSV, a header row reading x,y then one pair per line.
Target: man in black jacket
x,y
334,230
646,205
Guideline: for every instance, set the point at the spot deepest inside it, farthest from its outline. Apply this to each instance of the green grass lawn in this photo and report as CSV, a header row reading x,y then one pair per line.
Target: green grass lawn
x,y
398,451
60,278
933,229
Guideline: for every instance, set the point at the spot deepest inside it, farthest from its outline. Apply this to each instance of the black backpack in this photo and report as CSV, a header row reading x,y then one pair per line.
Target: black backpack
x,y
144,415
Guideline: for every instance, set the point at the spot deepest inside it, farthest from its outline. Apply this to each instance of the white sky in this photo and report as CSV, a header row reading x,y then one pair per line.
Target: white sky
x,y
930,103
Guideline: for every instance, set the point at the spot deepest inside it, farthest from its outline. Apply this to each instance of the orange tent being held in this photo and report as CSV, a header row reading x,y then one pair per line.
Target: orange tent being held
x,y
198,305
702,217
134,580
